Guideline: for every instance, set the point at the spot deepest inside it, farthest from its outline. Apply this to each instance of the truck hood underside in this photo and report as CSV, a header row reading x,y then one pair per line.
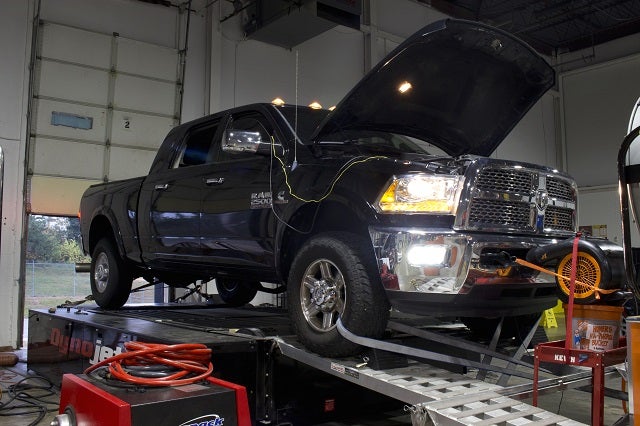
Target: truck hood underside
x,y
459,85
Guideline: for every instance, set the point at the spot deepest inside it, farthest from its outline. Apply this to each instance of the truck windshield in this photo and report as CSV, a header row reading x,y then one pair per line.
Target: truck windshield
x,y
381,142
308,120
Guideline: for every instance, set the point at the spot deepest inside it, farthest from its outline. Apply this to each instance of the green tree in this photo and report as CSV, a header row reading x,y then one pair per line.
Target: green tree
x,y
73,229
43,242
71,252
54,239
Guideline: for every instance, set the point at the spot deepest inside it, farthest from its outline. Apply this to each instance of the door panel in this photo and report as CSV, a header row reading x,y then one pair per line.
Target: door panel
x,y
237,222
170,202
235,218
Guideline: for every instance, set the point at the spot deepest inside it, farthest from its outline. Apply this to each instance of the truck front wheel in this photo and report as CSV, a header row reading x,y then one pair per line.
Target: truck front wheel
x,y
110,279
335,276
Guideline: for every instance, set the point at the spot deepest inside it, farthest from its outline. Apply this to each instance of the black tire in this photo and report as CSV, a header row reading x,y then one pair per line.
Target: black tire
x,y
515,327
332,276
236,293
110,279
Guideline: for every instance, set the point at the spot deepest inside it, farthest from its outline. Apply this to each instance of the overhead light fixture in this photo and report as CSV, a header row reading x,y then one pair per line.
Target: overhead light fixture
x,y
404,87
278,101
315,105
331,108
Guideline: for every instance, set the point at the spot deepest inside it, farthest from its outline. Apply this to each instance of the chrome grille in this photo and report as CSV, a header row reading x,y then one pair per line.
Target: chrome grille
x,y
558,218
505,197
501,180
559,189
501,213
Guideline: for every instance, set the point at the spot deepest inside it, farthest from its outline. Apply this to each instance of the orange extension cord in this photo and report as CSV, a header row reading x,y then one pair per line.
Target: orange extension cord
x,y
186,359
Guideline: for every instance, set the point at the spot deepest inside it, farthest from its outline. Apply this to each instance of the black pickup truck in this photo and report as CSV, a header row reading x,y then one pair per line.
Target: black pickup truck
x,y
390,200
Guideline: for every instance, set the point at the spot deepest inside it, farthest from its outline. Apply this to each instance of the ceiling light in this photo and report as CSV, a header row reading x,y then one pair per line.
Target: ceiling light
x,y
278,101
331,108
404,87
315,105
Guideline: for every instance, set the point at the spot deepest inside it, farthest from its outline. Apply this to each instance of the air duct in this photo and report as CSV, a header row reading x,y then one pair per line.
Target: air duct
x,y
289,23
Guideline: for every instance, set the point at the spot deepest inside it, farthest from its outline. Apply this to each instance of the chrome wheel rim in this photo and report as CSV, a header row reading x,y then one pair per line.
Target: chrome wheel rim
x,y
322,295
101,273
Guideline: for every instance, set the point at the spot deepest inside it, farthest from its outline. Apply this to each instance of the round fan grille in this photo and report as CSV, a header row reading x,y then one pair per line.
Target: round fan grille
x,y
588,272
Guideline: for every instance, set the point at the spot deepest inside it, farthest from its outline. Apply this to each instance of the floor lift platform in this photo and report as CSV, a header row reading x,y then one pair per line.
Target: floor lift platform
x,y
255,347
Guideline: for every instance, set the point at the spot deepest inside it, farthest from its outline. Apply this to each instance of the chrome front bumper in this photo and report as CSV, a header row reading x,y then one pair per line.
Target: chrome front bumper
x,y
437,261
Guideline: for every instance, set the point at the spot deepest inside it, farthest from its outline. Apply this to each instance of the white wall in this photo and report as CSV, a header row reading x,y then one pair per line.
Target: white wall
x,y
403,17
15,43
534,140
252,71
601,206
596,103
150,23
145,22
598,88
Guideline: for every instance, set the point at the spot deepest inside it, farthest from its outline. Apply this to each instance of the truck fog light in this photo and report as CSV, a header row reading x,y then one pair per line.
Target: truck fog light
x,y
427,255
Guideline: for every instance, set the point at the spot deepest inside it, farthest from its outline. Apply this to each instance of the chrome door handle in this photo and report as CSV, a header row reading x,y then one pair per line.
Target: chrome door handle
x,y
161,186
214,181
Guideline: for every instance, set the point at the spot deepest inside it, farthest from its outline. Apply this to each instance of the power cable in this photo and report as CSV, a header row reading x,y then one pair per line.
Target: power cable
x,y
33,398
179,364
343,169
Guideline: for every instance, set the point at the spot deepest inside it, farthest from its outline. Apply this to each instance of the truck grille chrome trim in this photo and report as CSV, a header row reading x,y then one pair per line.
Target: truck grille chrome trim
x,y
505,196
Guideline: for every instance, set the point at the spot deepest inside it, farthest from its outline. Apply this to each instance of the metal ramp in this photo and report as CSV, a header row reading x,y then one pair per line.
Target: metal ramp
x,y
491,409
434,396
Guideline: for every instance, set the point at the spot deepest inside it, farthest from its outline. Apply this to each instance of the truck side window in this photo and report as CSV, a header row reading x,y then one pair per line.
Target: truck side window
x,y
252,122
196,146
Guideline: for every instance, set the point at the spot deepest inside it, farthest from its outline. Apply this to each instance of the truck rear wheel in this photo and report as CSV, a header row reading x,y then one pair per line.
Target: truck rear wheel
x,y
110,279
335,276
236,293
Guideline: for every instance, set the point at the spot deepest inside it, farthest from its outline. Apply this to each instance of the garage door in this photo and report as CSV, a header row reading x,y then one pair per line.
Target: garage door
x,y
100,109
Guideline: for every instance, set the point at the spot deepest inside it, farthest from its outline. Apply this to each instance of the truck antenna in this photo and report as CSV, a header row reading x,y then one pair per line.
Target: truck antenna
x,y
295,122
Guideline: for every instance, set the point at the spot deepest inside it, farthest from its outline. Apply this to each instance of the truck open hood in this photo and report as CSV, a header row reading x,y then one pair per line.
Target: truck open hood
x,y
459,85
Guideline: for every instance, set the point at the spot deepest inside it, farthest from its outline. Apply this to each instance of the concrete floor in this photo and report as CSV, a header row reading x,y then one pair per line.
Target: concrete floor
x,y
573,404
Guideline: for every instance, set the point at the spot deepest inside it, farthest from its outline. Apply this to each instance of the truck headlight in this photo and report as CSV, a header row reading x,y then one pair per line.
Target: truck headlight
x,y
421,194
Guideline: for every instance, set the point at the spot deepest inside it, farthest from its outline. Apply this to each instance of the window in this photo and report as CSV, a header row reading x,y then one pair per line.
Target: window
x,y
195,150
71,120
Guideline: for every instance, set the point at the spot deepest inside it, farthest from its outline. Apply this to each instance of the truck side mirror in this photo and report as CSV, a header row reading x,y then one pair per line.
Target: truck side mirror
x,y
240,141
244,141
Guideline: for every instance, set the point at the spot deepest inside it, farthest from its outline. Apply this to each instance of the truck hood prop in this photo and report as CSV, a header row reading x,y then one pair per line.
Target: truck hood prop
x,y
459,85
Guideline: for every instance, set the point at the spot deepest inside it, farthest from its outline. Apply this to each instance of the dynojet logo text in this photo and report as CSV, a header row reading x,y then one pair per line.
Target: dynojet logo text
x,y
74,345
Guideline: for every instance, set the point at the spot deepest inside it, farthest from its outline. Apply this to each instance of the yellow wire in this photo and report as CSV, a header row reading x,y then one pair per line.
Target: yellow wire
x,y
330,190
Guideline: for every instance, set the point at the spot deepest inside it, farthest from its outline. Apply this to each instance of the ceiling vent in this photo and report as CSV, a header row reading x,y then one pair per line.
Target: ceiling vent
x,y
289,23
